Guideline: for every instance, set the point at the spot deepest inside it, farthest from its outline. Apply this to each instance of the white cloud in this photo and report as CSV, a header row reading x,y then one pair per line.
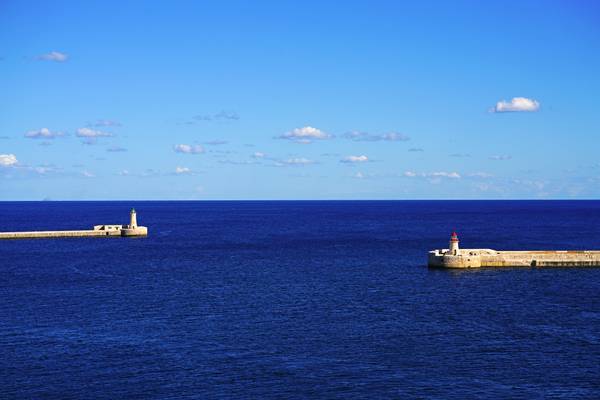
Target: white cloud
x,y
370,137
53,56
237,162
227,115
87,174
480,175
43,133
25,170
91,133
90,136
116,149
416,149
355,159
259,154
103,123
222,115
538,185
394,137
356,135
216,142
305,135
8,160
43,170
439,174
188,149
503,157
517,104
148,173
359,175
460,155
296,161
451,175
182,170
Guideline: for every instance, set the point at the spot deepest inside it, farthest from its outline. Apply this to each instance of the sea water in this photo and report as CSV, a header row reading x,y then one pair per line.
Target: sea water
x,y
316,299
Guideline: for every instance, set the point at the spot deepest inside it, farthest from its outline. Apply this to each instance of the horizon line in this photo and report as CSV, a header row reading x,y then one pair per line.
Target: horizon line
x,y
291,200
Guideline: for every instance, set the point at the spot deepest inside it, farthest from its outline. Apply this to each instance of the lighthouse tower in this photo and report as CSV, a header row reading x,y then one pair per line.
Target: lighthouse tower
x,y
454,244
133,220
133,229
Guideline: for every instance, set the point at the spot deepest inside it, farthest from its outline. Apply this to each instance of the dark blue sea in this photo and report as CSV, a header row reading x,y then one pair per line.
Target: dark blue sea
x,y
295,300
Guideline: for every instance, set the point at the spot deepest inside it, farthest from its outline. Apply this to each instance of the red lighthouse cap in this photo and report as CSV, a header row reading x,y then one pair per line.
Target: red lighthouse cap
x,y
454,236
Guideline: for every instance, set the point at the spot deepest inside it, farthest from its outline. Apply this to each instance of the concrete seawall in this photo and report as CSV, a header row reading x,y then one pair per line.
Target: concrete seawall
x,y
476,258
455,257
57,234
130,230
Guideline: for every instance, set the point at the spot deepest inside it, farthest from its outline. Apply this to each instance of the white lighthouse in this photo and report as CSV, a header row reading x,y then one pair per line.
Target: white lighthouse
x,y
133,220
454,244
133,229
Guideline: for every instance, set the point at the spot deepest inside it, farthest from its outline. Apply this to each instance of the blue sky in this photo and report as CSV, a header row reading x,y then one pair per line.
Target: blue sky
x,y
299,100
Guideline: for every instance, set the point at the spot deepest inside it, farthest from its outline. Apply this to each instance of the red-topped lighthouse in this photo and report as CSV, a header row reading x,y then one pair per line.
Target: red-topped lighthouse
x,y
454,244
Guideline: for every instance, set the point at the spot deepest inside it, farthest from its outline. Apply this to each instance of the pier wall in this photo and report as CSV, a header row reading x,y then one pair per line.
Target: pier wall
x,y
58,234
130,230
476,258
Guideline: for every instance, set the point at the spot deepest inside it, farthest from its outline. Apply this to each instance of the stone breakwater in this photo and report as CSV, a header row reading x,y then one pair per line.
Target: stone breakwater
x,y
454,257
56,234
476,258
130,230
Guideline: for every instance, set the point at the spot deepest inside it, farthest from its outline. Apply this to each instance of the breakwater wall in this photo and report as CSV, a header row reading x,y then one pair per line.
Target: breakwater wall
x,y
130,230
476,258
455,257
57,234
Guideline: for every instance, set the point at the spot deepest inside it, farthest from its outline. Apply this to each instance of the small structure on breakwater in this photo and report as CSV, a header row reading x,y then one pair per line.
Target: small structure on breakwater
x,y
454,257
130,230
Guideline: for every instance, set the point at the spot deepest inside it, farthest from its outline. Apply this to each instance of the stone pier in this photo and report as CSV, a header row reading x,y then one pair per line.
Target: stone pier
x,y
454,257
130,230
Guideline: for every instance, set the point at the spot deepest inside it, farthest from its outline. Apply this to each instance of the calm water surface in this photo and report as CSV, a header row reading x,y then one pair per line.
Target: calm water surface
x,y
296,300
